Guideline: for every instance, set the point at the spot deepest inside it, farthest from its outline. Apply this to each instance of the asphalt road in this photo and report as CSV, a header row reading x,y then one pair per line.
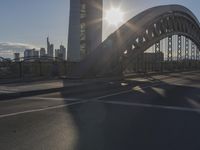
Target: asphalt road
x,y
159,112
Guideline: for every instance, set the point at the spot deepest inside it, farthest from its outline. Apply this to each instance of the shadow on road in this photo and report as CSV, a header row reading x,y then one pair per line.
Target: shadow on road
x,y
109,125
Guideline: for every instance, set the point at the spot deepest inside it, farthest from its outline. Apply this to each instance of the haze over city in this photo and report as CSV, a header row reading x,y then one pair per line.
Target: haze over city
x,y
27,23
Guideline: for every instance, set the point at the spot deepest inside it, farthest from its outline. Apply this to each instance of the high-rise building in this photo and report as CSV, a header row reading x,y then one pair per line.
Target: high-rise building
x,y
16,57
42,52
61,53
36,54
28,53
57,53
85,28
31,53
50,48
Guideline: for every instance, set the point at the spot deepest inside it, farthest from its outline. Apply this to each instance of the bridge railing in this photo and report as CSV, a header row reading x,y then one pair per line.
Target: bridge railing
x,y
164,66
17,70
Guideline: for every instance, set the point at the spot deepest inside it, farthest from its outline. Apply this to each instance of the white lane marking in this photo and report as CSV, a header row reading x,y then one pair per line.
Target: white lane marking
x,y
53,99
151,106
7,91
127,91
157,83
42,109
97,99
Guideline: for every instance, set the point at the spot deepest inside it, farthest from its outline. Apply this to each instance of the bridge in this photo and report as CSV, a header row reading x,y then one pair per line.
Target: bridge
x,y
163,38
160,39
154,111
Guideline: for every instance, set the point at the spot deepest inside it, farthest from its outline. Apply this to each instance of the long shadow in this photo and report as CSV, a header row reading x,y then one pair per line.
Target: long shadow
x,y
163,116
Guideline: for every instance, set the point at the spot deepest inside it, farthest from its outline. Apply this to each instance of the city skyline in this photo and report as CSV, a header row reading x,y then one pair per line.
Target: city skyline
x,y
27,22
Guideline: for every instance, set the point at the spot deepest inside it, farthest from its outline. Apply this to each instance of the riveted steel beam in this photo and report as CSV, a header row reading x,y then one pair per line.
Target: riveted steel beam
x,y
197,54
169,55
179,48
193,51
187,48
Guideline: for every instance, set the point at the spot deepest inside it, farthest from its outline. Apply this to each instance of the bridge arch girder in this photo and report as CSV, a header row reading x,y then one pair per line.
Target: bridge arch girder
x,y
138,34
161,31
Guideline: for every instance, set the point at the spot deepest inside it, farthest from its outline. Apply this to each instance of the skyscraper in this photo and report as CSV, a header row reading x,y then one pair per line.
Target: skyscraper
x,y
28,53
31,53
36,54
50,48
16,57
61,53
42,52
85,28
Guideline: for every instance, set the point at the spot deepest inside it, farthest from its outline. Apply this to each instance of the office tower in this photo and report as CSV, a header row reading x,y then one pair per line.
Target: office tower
x,y
28,53
85,28
31,53
42,52
61,53
16,57
50,48
36,54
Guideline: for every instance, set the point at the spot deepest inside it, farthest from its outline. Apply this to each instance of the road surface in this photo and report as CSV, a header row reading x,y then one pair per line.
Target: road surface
x,y
157,112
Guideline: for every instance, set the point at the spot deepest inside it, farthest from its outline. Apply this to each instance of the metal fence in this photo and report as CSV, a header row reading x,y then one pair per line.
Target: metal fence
x,y
162,66
26,69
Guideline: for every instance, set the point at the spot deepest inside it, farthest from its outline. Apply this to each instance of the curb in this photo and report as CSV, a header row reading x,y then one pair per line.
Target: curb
x,y
68,89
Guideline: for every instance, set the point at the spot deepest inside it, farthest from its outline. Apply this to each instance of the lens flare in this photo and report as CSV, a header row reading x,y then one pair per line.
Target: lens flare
x,y
114,16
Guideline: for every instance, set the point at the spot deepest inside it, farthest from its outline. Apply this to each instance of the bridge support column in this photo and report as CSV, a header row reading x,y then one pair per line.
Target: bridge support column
x,y
197,58
169,54
179,52
193,51
186,48
186,52
157,54
197,54
179,49
192,55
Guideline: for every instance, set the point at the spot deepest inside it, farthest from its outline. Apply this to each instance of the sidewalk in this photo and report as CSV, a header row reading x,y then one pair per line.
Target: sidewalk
x,y
15,90
30,88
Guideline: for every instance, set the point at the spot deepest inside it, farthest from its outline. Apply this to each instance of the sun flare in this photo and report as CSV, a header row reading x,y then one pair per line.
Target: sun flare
x,y
114,16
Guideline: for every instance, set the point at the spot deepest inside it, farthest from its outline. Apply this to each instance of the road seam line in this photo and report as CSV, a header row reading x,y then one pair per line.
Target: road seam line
x,y
151,106
54,99
41,109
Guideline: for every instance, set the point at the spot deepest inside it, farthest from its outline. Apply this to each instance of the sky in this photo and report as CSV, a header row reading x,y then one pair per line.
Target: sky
x,y
27,23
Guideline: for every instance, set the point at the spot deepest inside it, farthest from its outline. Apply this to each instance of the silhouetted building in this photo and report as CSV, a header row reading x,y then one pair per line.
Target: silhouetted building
x,y
85,28
42,52
57,52
61,53
36,54
16,57
50,48
31,53
28,53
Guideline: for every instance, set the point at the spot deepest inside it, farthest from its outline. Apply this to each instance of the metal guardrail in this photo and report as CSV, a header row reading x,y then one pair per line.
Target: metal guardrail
x,y
165,66
28,69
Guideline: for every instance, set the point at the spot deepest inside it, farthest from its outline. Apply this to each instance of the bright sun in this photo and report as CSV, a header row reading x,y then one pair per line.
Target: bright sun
x,y
114,16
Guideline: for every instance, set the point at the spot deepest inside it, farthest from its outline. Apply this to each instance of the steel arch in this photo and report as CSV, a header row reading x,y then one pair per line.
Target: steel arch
x,y
137,35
